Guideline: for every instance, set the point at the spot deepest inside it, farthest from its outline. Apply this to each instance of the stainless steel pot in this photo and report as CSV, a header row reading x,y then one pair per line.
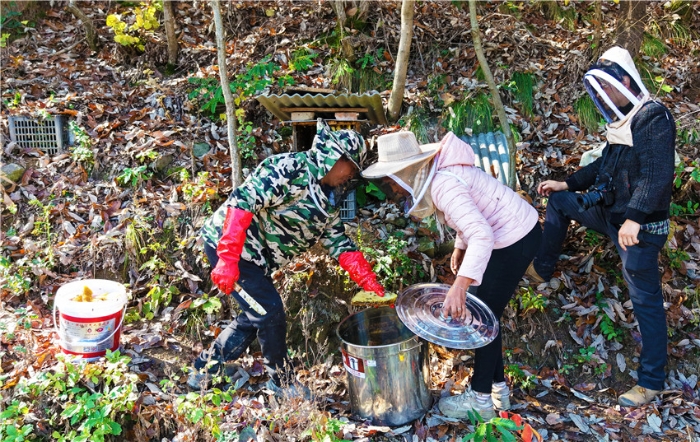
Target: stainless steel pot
x,y
387,367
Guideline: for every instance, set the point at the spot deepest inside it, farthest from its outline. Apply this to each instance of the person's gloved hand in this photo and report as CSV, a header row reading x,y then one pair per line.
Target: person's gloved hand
x,y
229,249
360,271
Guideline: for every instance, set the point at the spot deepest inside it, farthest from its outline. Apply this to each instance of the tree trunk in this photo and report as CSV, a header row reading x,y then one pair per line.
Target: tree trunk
x,y
349,8
90,34
169,22
397,91
236,174
598,35
630,28
498,104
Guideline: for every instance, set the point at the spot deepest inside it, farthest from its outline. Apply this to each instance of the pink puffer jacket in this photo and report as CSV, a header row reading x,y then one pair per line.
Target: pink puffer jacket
x,y
485,214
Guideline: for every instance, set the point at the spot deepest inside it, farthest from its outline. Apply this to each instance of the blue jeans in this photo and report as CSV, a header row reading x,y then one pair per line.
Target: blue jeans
x,y
271,329
640,269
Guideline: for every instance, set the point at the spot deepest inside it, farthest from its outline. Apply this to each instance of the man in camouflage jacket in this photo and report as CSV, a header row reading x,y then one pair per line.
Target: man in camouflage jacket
x,y
287,205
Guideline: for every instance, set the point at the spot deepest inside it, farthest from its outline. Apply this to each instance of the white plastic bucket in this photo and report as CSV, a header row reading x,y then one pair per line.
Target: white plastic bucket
x,y
89,329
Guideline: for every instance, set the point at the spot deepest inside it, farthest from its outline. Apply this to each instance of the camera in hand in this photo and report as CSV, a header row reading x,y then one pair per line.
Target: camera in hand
x,y
599,193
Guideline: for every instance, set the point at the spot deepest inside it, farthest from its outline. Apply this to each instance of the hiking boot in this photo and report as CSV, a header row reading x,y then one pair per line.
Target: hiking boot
x,y
532,274
637,396
291,391
458,407
501,396
199,379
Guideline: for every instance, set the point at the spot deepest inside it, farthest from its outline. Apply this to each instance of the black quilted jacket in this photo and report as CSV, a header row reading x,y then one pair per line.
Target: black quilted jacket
x,y
643,176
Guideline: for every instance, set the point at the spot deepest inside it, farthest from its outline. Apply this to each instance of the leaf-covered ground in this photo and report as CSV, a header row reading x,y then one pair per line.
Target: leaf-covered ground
x,y
159,165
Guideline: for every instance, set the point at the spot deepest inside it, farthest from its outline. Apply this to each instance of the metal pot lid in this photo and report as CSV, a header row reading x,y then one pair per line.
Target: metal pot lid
x,y
420,309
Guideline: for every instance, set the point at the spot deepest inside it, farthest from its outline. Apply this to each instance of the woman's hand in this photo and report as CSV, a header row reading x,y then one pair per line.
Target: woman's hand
x,y
456,299
456,260
547,187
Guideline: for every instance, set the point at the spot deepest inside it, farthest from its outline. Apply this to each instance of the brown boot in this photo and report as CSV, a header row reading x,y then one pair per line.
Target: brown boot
x,y
532,274
637,396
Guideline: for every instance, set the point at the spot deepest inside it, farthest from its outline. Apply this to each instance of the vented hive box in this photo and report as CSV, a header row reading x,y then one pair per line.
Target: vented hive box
x,y
49,135
348,207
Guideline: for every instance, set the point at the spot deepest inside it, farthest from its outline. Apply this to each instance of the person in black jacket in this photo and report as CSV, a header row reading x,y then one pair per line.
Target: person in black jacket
x,y
628,198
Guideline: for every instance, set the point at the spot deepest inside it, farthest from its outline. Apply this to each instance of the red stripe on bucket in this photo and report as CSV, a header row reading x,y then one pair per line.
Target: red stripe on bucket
x,y
114,339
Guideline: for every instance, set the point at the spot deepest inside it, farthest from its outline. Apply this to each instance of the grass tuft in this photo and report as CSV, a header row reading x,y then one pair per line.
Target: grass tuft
x,y
653,47
475,113
524,82
418,123
587,113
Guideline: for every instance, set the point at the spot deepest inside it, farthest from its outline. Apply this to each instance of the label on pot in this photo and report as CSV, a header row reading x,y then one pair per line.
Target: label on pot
x,y
353,365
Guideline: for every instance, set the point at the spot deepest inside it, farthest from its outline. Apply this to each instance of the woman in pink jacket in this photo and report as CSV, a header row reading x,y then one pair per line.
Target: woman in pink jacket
x,y
498,234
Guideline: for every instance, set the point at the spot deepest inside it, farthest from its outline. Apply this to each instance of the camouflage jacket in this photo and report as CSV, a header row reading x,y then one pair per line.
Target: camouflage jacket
x,y
291,213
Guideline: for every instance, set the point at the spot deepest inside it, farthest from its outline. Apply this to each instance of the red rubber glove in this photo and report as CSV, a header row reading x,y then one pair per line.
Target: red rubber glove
x,y
229,249
360,271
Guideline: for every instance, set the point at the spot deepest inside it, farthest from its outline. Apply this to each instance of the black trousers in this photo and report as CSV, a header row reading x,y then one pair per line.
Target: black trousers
x,y
271,329
503,272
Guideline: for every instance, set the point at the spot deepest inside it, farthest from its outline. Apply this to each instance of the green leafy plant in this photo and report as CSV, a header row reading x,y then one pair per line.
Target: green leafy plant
x,y
15,277
341,73
14,102
204,409
687,136
246,141
593,238
567,368
495,429
323,428
301,60
585,355
366,190
82,152
10,25
689,209
370,59
691,173
530,301
198,190
43,229
674,25
133,176
519,377
207,304
676,257
393,267
245,85
92,397
143,21
11,420
609,330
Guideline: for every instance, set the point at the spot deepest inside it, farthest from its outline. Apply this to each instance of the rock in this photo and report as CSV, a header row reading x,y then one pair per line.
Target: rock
x,y
12,172
446,248
398,221
161,164
427,246
200,149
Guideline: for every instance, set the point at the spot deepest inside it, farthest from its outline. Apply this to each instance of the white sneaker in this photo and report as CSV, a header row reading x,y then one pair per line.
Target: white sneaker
x,y
500,397
458,407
